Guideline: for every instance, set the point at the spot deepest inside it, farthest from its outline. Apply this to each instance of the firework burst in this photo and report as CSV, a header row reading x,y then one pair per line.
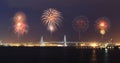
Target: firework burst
x,y
103,25
20,26
102,32
52,18
51,28
80,24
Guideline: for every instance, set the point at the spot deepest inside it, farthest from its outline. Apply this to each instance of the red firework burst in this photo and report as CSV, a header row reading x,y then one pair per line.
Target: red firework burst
x,y
20,26
103,25
80,24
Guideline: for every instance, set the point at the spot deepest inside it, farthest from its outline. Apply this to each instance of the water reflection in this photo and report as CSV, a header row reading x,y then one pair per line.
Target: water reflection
x,y
106,58
93,58
97,57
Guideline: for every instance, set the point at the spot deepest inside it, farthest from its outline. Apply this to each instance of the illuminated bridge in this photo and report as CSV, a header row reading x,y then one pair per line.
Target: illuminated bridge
x,y
63,43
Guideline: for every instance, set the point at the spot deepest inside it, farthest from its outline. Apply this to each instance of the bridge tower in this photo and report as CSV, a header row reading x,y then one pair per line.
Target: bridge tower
x,y
41,41
65,41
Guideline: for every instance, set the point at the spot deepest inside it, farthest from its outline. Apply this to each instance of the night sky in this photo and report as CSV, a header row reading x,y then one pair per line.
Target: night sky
x,y
70,9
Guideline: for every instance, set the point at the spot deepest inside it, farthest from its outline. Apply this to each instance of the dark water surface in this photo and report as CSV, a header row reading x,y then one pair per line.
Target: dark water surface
x,y
58,55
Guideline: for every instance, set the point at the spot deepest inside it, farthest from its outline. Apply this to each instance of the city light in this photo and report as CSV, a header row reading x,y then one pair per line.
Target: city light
x,y
93,44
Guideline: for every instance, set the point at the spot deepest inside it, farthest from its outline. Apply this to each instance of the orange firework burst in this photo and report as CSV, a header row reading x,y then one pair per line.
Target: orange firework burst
x,y
20,26
52,18
103,25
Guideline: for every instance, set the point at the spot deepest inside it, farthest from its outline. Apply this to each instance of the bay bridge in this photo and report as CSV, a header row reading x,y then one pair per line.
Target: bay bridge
x,y
63,43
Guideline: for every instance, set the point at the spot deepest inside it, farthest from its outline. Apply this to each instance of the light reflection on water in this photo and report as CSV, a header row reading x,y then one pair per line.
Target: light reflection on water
x,y
61,55
95,56
106,58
